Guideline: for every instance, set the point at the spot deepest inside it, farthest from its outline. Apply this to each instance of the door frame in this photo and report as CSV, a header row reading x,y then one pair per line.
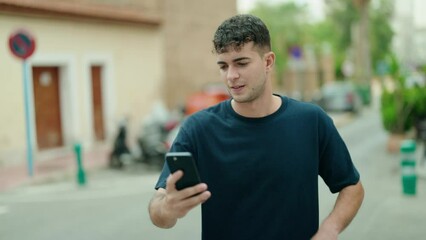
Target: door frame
x,y
108,97
66,64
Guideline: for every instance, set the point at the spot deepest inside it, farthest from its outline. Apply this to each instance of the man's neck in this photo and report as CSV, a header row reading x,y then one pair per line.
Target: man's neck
x,y
259,108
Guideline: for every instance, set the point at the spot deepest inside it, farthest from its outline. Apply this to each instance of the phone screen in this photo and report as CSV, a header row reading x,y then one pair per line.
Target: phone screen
x,y
185,162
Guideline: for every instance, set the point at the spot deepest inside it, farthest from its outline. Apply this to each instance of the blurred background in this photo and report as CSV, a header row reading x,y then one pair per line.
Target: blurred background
x,y
93,92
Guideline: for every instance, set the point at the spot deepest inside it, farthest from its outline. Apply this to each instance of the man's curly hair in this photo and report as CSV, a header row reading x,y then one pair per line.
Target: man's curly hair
x,y
238,30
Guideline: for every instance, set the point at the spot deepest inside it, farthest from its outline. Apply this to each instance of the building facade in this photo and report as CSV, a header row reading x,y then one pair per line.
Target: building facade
x,y
409,24
97,62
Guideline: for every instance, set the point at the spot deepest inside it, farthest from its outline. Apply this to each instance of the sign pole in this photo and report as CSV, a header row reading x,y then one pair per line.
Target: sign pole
x,y
22,45
27,119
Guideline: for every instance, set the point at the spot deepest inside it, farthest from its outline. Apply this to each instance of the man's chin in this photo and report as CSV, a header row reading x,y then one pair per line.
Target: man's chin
x,y
240,99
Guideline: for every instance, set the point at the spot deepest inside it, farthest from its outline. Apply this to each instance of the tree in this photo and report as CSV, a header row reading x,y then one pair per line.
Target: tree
x,y
289,26
286,23
341,15
381,32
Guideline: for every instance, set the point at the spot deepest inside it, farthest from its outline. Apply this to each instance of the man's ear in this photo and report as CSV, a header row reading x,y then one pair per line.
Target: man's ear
x,y
269,60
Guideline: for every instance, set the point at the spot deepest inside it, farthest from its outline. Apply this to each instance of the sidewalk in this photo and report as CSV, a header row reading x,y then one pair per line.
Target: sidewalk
x,y
51,167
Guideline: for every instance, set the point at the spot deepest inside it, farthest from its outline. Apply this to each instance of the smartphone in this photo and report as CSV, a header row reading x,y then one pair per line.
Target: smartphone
x,y
185,162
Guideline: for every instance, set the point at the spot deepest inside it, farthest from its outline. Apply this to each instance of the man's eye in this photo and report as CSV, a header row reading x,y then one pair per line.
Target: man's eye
x,y
222,67
242,63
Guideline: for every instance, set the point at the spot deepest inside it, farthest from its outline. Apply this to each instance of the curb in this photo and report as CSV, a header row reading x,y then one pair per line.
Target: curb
x,y
49,170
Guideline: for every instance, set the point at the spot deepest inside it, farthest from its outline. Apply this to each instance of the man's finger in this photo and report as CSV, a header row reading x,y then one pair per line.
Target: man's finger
x,y
196,200
173,178
194,190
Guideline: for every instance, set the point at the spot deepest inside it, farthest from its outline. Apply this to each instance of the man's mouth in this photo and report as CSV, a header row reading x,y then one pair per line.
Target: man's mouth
x,y
237,87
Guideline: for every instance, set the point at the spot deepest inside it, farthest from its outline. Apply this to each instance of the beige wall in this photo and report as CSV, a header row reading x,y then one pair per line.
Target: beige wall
x,y
189,29
132,57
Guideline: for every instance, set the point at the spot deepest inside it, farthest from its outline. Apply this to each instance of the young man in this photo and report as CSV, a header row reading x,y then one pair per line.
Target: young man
x,y
259,154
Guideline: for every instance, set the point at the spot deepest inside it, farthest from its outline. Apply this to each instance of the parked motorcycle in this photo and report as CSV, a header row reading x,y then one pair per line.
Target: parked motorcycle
x,y
161,128
120,151
155,129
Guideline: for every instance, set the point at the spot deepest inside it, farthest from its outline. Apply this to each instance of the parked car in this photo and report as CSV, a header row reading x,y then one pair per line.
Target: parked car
x,y
209,95
339,97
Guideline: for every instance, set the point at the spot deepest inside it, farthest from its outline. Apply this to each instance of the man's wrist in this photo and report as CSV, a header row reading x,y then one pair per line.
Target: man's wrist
x,y
159,215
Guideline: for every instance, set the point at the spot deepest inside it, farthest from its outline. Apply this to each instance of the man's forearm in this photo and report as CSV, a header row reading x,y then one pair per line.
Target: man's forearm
x,y
347,205
156,212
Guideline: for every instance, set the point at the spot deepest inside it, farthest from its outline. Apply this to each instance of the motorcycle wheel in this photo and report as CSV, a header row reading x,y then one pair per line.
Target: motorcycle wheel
x,y
115,161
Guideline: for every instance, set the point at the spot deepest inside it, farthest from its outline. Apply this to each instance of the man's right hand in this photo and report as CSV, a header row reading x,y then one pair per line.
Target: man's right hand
x,y
169,204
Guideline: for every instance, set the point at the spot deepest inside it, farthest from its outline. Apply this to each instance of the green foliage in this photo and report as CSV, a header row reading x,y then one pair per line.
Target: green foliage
x,y
395,111
342,15
423,69
394,67
418,95
401,106
381,32
286,23
288,27
420,108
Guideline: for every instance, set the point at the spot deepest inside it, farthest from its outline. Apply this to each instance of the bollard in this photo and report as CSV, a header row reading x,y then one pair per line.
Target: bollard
x,y
408,167
81,176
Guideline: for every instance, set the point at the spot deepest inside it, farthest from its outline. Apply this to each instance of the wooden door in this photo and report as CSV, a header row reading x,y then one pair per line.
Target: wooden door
x,y
47,107
98,114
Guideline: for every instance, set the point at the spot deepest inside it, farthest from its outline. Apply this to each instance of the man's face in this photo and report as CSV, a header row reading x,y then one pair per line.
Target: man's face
x,y
244,72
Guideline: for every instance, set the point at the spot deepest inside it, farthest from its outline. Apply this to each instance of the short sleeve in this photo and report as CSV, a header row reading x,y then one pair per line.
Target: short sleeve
x,y
335,167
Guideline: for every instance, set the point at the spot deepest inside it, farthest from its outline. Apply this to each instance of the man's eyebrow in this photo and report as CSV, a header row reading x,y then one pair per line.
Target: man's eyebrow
x,y
234,60
241,58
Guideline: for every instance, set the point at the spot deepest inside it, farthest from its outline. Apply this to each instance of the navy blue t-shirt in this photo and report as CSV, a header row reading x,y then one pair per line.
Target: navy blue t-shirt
x,y
263,172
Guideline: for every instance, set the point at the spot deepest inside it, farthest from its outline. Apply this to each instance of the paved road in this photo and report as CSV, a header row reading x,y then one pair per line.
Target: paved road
x,y
114,203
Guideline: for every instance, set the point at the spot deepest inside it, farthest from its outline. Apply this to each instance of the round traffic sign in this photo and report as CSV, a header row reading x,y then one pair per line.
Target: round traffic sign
x,y
22,44
296,52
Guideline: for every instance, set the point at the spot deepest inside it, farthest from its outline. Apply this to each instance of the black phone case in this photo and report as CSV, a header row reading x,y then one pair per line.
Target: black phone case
x,y
183,161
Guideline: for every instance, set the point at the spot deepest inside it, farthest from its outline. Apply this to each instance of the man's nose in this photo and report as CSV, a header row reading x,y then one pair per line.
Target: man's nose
x,y
232,74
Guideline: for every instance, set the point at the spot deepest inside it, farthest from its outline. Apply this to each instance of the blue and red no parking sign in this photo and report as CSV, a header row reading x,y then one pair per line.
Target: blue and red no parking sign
x,y
22,44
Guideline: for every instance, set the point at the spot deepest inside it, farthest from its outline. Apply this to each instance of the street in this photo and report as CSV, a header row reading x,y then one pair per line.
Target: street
x,y
113,205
